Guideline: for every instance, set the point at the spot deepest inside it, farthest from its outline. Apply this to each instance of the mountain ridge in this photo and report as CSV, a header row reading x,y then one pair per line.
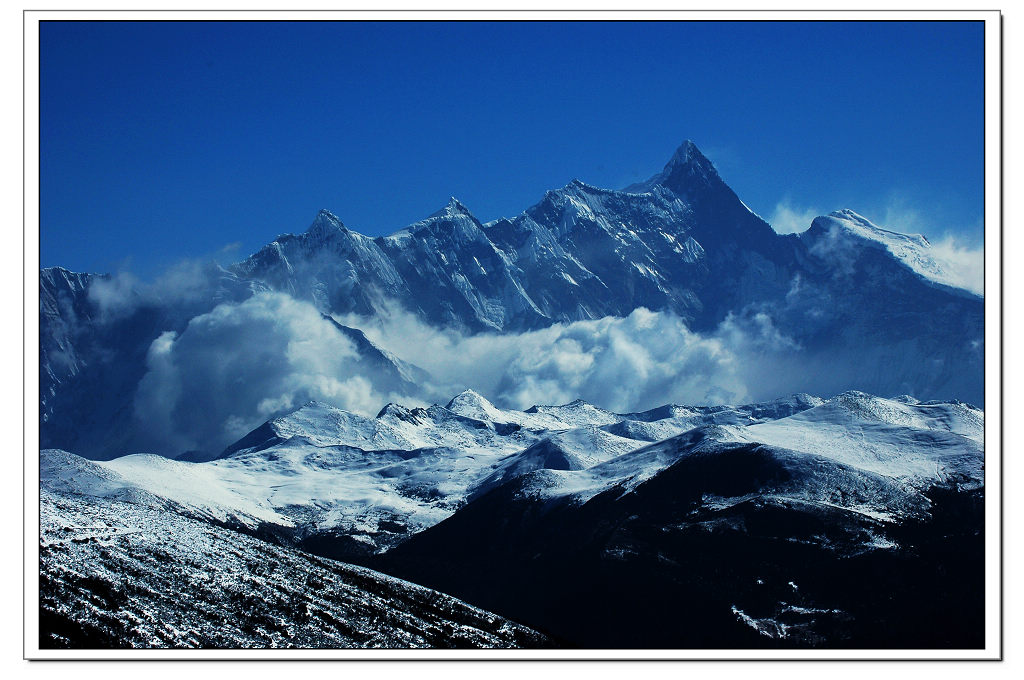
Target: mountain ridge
x,y
868,310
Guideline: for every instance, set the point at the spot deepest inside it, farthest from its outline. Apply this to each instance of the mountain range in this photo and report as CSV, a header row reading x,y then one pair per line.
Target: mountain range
x,y
290,415
530,513
855,306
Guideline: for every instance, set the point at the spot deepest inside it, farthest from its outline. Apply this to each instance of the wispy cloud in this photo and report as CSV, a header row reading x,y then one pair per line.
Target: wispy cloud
x,y
788,218
901,216
964,265
183,282
960,258
230,250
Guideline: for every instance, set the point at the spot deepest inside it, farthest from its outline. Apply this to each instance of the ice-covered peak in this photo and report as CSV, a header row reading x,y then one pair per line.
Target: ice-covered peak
x,y
865,228
325,222
577,413
470,404
688,163
453,208
470,401
309,407
393,411
913,250
453,213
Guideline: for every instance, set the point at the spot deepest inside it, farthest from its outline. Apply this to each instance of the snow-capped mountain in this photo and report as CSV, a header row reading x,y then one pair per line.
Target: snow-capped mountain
x,y
455,497
833,526
230,411
913,250
844,305
370,483
581,253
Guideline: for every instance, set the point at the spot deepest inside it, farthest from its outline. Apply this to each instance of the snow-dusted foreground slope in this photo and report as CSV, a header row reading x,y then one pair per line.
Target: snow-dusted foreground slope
x,y
119,574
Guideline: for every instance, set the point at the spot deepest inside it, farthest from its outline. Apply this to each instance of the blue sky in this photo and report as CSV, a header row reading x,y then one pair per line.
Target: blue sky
x,y
163,141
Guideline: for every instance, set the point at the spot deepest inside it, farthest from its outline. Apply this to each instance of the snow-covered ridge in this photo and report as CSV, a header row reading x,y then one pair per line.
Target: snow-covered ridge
x,y
382,479
845,312
912,250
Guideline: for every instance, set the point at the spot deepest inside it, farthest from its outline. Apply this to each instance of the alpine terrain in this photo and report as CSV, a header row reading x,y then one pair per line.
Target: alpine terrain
x,y
672,427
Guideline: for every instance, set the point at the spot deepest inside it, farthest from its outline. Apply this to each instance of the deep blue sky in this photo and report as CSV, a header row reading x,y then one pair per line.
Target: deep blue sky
x,y
168,140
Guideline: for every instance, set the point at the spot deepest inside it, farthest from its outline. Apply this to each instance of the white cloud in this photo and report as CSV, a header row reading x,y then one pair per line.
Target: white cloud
x,y
790,219
963,265
241,364
187,281
623,364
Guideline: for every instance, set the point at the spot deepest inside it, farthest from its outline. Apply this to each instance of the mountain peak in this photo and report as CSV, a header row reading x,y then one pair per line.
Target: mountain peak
x,y
847,214
687,169
452,208
687,162
472,404
914,251
686,153
864,227
325,222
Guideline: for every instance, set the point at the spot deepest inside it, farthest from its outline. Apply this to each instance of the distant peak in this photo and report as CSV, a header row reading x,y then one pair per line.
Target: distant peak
x,y
468,398
848,214
325,221
393,409
313,404
688,155
452,208
863,225
578,186
469,393
687,169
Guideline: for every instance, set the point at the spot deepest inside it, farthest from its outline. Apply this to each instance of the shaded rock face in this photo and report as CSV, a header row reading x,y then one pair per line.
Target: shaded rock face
x,y
662,569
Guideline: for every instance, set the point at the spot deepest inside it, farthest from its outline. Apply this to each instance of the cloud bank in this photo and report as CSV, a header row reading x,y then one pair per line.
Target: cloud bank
x,y
243,363
623,364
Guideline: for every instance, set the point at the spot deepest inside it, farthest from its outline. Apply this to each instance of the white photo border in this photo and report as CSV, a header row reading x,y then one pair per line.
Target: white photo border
x,y
993,216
